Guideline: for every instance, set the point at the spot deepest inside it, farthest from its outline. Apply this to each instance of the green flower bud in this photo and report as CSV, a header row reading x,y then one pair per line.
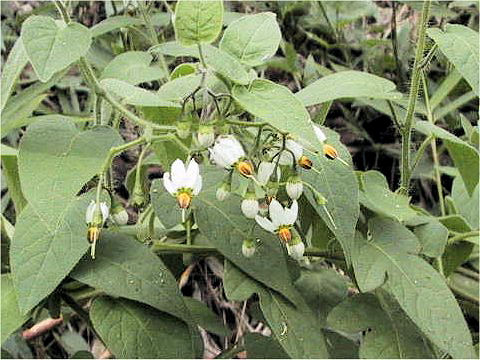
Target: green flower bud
x,y
183,129
248,247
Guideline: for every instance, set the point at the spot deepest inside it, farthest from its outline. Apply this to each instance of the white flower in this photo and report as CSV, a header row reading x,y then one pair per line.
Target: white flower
x,y
286,155
226,151
282,219
294,187
296,248
248,247
223,191
319,133
120,215
250,206
205,136
265,170
183,183
89,214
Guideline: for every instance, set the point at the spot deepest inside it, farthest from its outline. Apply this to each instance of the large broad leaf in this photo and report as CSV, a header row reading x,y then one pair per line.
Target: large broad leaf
x,y
135,95
135,331
124,267
225,226
278,106
16,61
50,234
376,196
347,84
296,328
198,21
252,39
133,67
51,46
389,259
12,318
460,45
338,184
391,334
465,156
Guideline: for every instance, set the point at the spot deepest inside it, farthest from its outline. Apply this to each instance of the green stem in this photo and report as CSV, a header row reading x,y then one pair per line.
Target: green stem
x,y
202,58
247,123
433,142
405,172
464,236
63,11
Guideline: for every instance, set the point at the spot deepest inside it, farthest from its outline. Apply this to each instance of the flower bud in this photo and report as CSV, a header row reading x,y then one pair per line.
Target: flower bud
x,y
205,136
138,197
183,129
223,191
119,214
294,187
305,162
250,206
248,247
296,248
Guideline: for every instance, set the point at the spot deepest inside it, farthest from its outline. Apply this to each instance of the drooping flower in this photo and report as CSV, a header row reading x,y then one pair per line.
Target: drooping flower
x,y
183,183
227,152
294,187
296,248
100,217
282,219
292,148
250,206
265,170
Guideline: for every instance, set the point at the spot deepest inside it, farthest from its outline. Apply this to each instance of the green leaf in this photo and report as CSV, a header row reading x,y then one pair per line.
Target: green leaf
x,y
466,204
50,234
205,318
135,331
278,106
376,196
296,328
465,156
455,223
165,205
253,38
198,22
225,226
113,23
238,286
263,347
183,70
433,237
389,259
16,61
124,267
460,45
175,49
338,184
12,318
52,46
135,95
347,84
12,180
455,255
391,334
133,67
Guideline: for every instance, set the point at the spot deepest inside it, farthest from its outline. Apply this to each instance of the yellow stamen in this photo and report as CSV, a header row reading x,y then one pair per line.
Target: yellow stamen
x,y
330,152
305,162
245,168
285,234
93,233
184,200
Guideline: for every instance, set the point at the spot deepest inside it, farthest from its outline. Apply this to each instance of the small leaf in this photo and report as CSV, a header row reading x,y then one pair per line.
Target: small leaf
x,y
16,61
113,23
347,84
391,334
433,237
133,67
198,21
238,286
389,258
135,331
467,204
253,38
124,267
205,318
460,45
12,318
465,156
52,46
278,106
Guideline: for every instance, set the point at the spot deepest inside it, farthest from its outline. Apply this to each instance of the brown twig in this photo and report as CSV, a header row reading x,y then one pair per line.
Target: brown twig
x,y
41,328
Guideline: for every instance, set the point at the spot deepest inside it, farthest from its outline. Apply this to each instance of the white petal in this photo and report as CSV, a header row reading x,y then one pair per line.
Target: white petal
x,y
265,223
89,212
168,184
295,148
276,213
320,135
217,157
265,170
198,185
290,215
191,175
178,172
105,210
